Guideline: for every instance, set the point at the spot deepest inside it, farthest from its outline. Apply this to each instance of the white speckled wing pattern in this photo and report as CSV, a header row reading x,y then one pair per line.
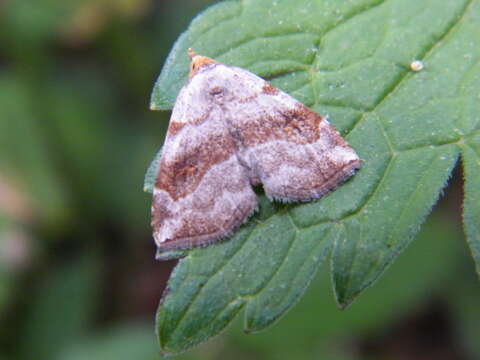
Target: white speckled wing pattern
x,y
230,130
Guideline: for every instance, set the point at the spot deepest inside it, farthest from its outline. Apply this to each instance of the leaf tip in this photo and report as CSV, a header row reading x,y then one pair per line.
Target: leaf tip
x,y
166,353
251,326
248,330
154,107
343,305
344,300
170,254
158,103
159,100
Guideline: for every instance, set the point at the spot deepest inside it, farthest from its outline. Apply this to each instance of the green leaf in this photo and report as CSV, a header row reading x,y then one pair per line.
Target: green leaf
x,y
313,326
351,61
471,216
152,172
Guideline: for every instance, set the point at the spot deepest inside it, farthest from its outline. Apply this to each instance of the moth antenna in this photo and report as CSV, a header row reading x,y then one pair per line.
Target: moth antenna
x,y
191,53
197,61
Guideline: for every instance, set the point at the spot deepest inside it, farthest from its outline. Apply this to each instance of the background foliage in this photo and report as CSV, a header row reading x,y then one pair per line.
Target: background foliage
x,y
77,275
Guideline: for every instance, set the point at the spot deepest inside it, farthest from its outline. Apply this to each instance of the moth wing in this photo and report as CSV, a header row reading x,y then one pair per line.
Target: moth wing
x,y
201,192
293,151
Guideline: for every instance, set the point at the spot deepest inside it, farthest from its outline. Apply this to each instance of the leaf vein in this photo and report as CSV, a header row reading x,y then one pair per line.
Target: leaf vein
x,y
224,20
413,195
290,246
425,54
225,263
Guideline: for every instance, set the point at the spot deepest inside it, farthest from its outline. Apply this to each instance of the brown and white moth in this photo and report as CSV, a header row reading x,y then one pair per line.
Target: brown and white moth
x,y
231,130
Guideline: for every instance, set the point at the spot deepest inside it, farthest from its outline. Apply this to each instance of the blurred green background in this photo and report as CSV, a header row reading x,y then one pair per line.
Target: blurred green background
x,y
78,279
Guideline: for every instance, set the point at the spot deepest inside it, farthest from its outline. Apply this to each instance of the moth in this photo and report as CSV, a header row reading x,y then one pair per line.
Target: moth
x,y
231,130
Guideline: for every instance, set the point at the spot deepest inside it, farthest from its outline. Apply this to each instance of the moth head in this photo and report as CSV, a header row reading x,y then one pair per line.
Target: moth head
x,y
197,62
